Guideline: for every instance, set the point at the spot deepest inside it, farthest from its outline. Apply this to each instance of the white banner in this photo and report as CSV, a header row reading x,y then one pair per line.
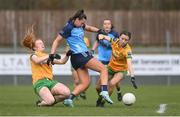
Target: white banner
x,y
155,64
19,64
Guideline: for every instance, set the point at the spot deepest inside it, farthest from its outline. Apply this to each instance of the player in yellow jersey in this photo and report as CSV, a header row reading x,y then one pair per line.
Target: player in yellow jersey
x,y
87,41
49,90
120,62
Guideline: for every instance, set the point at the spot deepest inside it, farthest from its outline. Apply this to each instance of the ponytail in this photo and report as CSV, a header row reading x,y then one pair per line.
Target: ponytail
x,y
79,14
29,38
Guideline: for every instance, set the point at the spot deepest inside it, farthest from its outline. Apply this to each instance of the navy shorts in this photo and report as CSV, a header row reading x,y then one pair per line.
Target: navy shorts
x,y
105,62
79,60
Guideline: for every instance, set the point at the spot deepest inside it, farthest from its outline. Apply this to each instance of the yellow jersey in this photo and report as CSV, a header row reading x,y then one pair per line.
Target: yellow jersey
x,y
86,40
40,71
118,61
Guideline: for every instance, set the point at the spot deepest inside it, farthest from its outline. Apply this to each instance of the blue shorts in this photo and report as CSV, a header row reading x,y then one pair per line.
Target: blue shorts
x,y
79,60
104,62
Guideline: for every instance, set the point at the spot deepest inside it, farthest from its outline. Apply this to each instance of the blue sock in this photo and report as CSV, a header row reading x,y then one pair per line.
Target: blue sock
x,y
104,88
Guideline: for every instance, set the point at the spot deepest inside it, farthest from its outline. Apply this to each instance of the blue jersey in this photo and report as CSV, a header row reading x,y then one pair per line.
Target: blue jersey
x,y
104,48
75,37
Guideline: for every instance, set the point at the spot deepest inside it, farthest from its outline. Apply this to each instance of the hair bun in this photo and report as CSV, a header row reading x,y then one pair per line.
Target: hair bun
x,y
79,14
82,11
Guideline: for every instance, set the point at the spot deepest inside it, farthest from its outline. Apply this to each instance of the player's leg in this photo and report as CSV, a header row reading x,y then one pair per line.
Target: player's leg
x,y
84,84
119,94
98,89
98,86
96,65
60,92
46,96
100,102
114,81
85,81
76,82
75,79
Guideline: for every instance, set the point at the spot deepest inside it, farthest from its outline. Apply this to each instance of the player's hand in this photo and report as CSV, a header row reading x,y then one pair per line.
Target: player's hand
x,y
69,53
133,82
57,56
52,57
100,36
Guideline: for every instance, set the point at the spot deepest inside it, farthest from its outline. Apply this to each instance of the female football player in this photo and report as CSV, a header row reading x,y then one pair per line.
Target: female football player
x,y
120,62
81,58
75,75
49,90
105,50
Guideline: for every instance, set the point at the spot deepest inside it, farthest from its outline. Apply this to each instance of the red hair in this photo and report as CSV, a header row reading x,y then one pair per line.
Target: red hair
x,y
29,38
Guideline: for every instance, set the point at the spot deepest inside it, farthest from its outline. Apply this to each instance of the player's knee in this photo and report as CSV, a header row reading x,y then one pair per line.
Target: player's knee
x,y
67,92
112,84
50,101
76,82
103,69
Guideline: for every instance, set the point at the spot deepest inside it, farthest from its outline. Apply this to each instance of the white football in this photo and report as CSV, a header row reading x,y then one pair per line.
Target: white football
x,y
128,99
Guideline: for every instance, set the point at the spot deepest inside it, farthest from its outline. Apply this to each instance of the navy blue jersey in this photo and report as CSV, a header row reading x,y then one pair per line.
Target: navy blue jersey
x,y
104,48
75,37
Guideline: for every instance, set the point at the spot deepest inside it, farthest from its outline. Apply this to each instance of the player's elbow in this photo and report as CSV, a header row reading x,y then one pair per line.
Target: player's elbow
x,y
103,70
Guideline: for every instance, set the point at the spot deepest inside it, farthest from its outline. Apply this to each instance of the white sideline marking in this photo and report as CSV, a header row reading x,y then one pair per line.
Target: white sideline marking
x,y
162,108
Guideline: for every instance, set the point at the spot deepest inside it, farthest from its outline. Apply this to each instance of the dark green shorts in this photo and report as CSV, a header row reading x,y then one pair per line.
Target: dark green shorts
x,y
44,83
111,72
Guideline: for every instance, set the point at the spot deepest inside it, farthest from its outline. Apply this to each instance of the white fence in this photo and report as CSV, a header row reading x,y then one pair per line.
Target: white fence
x,y
148,65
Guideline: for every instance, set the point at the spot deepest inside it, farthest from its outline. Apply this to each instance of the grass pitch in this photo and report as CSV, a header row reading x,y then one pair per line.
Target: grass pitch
x,y
20,100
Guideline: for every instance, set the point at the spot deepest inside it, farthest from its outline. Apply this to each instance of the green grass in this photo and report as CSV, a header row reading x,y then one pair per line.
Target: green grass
x,y
19,100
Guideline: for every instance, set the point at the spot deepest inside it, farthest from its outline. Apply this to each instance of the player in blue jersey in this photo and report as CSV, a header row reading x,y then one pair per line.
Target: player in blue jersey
x,y
104,46
81,58
105,50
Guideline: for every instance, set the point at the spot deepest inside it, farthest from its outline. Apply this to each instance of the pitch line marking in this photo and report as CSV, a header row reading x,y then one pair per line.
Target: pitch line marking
x,y
162,108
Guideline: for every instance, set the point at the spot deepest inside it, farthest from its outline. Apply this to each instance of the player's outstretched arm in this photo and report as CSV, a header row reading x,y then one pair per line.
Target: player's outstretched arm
x,y
101,36
65,59
130,67
61,61
39,60
95,45
91,28
131,72
56,43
